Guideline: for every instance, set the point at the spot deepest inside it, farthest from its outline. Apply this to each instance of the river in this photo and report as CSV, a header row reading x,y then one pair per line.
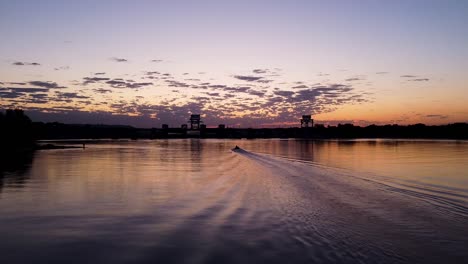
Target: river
x,y
273,201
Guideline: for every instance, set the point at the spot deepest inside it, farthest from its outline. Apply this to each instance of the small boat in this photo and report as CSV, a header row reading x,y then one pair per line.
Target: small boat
x,y
236,148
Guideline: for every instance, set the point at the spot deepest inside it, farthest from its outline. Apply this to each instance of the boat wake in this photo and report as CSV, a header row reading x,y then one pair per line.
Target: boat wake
x,y
455,201
348,213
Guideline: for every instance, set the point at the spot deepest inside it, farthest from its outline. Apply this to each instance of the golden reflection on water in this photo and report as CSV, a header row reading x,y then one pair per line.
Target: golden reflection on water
x,y
279,201
440,162
143,166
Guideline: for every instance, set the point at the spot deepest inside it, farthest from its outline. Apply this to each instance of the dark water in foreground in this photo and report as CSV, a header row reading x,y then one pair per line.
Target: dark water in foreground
x,y
195,201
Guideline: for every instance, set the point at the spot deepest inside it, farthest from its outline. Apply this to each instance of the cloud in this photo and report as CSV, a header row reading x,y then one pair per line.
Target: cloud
x,y
88,80
173,83
283,106
284,93
152,73
300,87
249,103
419,80
119,59
241,89
257,93
408,76
260,71
316,99
304,95
20,63
248,78
22,96
62,68
382,72
49,85
28,90
156,61
70,95
265,81
119,83
39,96
34,98
102,90
172,114
216,86
268,72
438,116
414,78
10,95
353,79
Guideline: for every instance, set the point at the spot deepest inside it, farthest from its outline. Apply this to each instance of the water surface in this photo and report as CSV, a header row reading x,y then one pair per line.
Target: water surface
x,y
278,201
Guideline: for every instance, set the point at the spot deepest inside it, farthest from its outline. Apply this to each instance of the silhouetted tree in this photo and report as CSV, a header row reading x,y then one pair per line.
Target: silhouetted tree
x,y
16,130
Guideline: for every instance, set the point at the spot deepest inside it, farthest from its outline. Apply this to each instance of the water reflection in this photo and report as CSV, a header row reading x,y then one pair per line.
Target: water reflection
x,y
441,163
14,168
194,201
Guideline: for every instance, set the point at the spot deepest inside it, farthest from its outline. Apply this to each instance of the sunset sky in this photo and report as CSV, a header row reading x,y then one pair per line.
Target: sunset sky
x,y
239,63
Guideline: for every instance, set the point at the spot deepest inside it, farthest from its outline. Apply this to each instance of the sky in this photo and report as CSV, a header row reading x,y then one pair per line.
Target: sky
x,y
240,63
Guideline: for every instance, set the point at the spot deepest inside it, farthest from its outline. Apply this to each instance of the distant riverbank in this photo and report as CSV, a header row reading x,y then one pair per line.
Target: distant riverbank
x,y
344,131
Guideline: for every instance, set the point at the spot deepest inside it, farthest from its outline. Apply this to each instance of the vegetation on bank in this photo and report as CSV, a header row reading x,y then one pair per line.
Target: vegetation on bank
x,y
16,130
